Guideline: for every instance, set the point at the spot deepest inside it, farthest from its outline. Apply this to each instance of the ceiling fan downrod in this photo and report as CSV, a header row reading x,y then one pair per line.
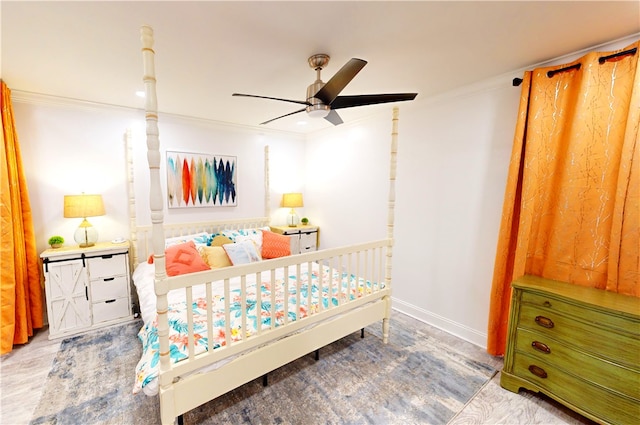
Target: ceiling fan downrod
x,y
317,109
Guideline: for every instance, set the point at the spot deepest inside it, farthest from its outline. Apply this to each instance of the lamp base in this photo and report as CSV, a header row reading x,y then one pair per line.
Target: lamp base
x,y
86,235
292,218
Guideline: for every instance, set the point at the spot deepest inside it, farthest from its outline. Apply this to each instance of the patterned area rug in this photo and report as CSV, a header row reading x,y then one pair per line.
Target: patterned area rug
x,y
417,378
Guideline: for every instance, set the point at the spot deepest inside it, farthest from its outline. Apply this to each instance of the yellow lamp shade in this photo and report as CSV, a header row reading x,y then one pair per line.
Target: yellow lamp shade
x,y
83,206
293,201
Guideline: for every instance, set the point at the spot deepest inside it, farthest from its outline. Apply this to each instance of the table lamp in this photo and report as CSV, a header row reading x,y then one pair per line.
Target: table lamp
x,y
83,206
293,201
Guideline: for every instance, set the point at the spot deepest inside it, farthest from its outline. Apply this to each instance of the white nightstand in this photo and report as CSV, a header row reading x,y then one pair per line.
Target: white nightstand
x,y
86,288
303,238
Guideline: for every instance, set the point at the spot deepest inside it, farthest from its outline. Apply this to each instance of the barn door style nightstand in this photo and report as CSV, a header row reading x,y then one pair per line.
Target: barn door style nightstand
x,y
303,238
86,288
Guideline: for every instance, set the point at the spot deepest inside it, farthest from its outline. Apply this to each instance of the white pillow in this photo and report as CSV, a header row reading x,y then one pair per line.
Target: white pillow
x,y
242,252
242,235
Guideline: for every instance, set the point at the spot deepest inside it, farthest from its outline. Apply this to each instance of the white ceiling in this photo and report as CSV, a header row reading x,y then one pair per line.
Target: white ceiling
x,y
206,50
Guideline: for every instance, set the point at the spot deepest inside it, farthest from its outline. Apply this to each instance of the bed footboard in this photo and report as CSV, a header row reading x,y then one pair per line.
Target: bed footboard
x,y
186,394
272,312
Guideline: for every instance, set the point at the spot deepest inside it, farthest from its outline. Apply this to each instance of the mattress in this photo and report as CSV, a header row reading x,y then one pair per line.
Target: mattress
x,y
297,302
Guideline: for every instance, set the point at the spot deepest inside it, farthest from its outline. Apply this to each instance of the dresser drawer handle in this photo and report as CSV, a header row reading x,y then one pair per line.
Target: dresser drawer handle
x,y
546,304
538,371
545,322
541,347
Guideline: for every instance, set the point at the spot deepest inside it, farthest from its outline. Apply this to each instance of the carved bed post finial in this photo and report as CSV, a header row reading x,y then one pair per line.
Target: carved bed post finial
x,y
157,214
391,216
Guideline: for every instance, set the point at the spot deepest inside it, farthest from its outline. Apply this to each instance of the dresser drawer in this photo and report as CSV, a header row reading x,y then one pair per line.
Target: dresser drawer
x,y
107,266
592,369
109,288
592,315
577,393
110,310
588,337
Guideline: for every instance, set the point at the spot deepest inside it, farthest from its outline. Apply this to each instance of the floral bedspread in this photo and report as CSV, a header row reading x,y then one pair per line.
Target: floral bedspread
x,y
343,286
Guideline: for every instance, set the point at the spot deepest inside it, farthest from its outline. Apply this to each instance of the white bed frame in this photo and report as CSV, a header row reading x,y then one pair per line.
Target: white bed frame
x,y
182,386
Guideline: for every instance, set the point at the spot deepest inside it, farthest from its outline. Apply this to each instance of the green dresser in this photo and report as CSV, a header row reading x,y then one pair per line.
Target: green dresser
x,y
580,346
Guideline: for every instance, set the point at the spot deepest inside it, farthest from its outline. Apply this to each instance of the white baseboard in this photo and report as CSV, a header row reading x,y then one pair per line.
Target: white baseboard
x,y
447,325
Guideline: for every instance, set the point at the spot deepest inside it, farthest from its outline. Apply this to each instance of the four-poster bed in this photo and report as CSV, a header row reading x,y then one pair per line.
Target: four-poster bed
x,y
256,316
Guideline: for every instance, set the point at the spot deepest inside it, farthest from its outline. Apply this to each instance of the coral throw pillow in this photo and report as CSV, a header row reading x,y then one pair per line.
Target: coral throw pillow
x,y
275,245
184,258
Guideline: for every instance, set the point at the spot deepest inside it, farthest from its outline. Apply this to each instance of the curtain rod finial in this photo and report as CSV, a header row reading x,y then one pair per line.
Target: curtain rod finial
x,y
517,82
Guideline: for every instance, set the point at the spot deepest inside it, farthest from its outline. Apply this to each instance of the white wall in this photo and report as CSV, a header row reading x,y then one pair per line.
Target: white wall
x,y
453,154
348,181
70,147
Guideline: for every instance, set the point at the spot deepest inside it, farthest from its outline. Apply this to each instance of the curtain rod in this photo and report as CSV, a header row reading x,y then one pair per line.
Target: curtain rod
x,y
602,59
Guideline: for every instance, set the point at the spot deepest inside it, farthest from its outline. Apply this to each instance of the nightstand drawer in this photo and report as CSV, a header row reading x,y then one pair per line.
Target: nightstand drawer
x,y
109,288
110,309
107,266
308,241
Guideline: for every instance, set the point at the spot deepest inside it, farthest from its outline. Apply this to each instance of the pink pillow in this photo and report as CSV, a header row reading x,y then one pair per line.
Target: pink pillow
x,y
184,258
275,245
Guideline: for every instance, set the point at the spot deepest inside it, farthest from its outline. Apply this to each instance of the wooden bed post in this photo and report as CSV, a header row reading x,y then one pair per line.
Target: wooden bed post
x,y
157,215
132,200
391,217
267,193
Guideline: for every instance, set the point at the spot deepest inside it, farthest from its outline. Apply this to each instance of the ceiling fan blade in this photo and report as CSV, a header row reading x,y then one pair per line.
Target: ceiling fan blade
x,y
370,99
301,102
285,115
334,118
339,81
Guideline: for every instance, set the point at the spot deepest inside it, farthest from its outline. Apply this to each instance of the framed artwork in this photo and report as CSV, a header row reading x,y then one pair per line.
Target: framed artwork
x,y
201,180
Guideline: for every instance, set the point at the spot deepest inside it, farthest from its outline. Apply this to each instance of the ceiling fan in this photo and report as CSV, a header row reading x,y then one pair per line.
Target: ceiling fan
x,y
322,98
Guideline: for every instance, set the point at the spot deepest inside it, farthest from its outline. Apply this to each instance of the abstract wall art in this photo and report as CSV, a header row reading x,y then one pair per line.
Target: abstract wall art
x,y
201,180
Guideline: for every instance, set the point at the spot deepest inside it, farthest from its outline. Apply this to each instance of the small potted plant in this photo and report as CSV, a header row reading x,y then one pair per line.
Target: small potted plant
x,y
304,221
56,241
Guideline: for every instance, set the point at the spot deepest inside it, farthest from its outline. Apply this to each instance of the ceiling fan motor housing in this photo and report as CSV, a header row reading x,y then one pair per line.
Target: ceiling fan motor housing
x,y
317,109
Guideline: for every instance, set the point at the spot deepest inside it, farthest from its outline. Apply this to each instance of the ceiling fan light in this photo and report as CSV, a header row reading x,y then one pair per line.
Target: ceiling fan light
x,y
318,111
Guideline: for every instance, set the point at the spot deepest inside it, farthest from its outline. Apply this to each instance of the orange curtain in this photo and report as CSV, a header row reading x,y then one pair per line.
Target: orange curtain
x,y
571,208
20,284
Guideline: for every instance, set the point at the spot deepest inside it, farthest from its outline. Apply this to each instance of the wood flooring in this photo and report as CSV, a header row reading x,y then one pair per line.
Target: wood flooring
x,y
23,371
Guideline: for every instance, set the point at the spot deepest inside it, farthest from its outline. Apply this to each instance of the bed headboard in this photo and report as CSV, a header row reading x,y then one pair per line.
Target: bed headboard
x,y
141,246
